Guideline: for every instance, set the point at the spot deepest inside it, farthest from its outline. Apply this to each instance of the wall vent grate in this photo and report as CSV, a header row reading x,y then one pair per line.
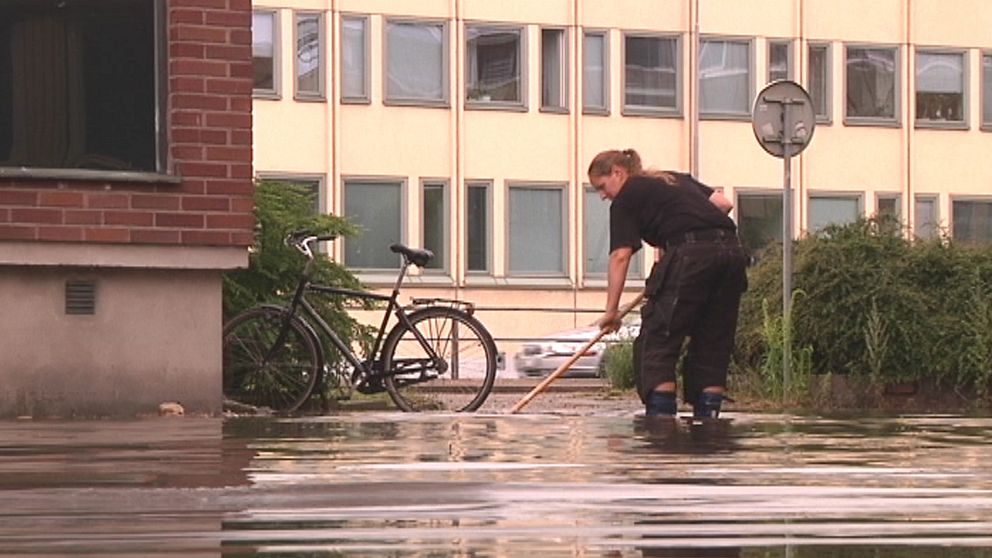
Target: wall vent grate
x,y
80,297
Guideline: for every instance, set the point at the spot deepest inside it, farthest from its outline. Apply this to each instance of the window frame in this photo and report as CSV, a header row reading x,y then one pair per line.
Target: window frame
x,y
984,96
883,122
445,100
275,93
377,274
897,196
445,185
566,240
597,279
733,116
489,186
745,192
640,110
986,199
321,94
790,62
289,176
964,123
521,105
564,68
366,97
603,110
828,78
832,194
935,198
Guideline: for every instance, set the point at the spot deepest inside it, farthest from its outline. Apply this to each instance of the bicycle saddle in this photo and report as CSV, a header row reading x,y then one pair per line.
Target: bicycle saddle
x,y
417,257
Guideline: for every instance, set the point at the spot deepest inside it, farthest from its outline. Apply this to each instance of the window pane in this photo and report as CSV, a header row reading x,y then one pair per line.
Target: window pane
x,y
308,54
353,59
778,61
871,83
759,219
925,217
724,77
493,72
435,224
888,206
536,230
415,61
375,208
477,225
77,90
940,87
825,211
972,221
987,89
552,68
819,80
650,72
263,50
594,72
597,238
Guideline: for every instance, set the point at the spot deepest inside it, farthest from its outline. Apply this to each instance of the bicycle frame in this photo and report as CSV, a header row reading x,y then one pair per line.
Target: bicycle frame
x,y
366,369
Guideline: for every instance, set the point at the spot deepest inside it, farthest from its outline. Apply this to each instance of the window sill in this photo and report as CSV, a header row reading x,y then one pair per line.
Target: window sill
x,y
434,278
266,95
554,110
651,112
592,111
937,125
27,173
727,116
868,122
482,105
355,101
422,103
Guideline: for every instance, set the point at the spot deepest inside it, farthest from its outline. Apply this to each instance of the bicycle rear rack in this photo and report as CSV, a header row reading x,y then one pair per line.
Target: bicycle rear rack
x,y
466,307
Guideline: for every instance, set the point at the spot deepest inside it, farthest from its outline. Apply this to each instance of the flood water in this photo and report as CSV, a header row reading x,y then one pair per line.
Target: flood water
x,y
391,484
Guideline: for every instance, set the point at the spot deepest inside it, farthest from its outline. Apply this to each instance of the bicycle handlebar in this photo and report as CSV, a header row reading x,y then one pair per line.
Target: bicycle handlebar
x,y
301,240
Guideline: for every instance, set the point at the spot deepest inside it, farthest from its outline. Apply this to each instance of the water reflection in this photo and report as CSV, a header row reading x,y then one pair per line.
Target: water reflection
x,y
390,484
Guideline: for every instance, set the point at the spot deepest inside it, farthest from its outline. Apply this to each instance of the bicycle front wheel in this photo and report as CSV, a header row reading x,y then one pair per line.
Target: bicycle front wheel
x,y
462,376
269,361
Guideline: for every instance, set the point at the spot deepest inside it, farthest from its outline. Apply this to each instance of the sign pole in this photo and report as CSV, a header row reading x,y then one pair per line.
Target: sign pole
x,y
786,248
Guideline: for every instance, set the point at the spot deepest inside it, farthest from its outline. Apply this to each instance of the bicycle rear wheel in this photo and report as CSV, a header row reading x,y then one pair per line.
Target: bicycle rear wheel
x,y
460,383
268,361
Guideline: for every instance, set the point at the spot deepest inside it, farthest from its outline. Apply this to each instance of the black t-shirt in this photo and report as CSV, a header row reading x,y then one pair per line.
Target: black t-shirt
x,y
650,209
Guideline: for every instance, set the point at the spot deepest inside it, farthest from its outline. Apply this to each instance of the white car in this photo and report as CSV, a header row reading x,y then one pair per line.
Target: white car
x,y
543,356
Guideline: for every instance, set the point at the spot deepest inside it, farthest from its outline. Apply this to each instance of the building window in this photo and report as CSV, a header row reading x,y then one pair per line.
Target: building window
x,y
435,222
972,220
311,184
926,220
494,66
779,60
264,59
872,84
833,210
818,81
72,96
596,231
309,56
595,73
536,230
554,70
376,207
650,80
940,79
987,91
888,204
354,59
759,219
416,62
725,78
477,227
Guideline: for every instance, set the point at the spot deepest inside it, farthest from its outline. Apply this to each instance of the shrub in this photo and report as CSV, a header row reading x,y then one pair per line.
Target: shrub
x,y
619,364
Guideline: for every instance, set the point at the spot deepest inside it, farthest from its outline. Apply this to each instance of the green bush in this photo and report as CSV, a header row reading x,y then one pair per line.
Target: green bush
x,y
618,361
274,268
879,306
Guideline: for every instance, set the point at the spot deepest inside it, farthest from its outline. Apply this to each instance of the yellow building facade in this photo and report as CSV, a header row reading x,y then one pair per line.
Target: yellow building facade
x,y
466,126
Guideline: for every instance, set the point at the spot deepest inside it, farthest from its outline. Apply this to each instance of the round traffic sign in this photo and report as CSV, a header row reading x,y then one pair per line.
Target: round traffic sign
x,y
779,106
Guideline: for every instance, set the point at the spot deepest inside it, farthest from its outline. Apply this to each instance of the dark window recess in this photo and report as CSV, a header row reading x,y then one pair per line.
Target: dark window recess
x,y
80,297
77,84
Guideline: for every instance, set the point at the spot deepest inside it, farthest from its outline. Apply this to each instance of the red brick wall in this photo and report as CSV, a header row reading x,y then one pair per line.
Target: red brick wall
x,y
210,84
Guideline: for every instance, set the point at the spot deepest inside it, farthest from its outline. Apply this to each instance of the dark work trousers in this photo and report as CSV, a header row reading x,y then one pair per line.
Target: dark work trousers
x,y
695,292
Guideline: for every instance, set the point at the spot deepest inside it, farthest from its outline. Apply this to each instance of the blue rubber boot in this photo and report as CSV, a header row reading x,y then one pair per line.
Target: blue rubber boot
x,y
708,406
660,404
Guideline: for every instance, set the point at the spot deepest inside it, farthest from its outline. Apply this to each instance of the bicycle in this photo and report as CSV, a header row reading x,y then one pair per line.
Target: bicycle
x,y
437,356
